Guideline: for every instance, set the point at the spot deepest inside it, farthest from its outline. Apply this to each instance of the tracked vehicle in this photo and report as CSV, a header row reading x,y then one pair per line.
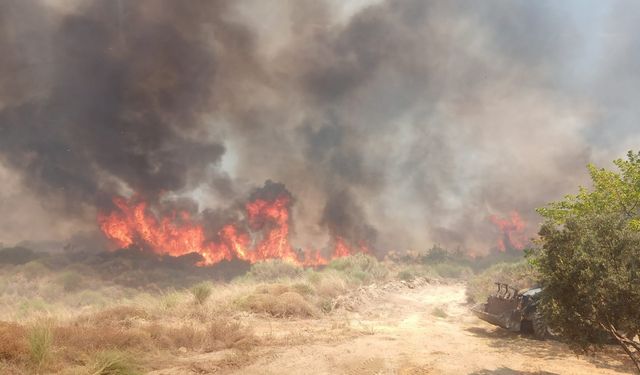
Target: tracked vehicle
x,y
513,310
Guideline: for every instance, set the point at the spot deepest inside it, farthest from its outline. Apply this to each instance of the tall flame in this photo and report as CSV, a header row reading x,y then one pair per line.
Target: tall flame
x,y
512,231
266,235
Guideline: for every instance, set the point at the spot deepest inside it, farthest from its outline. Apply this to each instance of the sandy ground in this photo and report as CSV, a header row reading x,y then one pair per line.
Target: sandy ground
x,y
413,331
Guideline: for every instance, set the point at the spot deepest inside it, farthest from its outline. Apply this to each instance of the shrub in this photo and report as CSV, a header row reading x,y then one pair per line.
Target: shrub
x,y
331,286
439,312
40,338
303,289
201,292
588,260
70,281
406,275
519,275
113,362
436,255
452,270
360,267
34,270
17,255
410,272
273,270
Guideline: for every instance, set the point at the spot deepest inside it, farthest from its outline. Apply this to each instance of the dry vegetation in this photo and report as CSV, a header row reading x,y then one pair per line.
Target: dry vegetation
x,y
70,318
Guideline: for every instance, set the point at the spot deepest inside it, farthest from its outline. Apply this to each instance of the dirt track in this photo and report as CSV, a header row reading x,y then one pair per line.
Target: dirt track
x,y
402,333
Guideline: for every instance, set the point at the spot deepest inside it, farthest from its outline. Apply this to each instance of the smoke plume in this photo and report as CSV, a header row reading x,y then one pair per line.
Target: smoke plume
x,y
396,124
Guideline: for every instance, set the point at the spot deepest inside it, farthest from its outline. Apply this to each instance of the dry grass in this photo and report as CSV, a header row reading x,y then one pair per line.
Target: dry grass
x,y
168,337
84,338
113,362
94,329
331,286
225,334
13,342
119,316
286,304
201,292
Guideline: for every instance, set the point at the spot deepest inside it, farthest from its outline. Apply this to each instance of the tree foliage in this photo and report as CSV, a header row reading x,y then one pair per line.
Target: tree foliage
x,y
589,260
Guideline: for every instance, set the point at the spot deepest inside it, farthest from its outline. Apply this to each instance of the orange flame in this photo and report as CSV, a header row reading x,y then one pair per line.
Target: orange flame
x,y
132,223
512,231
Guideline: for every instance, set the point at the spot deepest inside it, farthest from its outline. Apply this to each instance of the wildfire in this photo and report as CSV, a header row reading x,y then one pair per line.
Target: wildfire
x,y
265,235
512,229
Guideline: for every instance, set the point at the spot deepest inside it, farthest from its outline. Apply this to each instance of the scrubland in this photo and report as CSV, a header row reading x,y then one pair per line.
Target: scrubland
x,y
132,313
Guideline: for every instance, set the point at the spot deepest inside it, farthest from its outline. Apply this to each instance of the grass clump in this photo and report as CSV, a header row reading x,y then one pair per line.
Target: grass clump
x,y
201,292
114,362
40,338
274,269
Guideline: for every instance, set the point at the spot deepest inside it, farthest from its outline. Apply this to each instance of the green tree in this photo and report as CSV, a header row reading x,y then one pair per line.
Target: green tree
x,y
589,260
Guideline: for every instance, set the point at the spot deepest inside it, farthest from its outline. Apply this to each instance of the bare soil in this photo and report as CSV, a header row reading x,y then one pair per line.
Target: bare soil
x,y
426,330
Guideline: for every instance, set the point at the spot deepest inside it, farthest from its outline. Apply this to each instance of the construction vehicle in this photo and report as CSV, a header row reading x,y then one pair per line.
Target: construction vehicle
x,y
514,310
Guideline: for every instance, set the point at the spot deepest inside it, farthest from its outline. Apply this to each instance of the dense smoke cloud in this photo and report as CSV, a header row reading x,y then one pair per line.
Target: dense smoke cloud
x,y
396,123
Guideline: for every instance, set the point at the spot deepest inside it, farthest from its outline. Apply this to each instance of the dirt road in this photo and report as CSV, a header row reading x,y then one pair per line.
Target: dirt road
x,y
415,331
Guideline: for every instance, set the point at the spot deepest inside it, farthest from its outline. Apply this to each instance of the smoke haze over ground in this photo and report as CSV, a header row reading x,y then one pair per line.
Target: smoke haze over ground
x,y
399,123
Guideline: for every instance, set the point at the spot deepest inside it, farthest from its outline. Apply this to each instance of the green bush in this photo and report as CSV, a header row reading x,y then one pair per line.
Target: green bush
x,y
273,269
588,260
518,275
